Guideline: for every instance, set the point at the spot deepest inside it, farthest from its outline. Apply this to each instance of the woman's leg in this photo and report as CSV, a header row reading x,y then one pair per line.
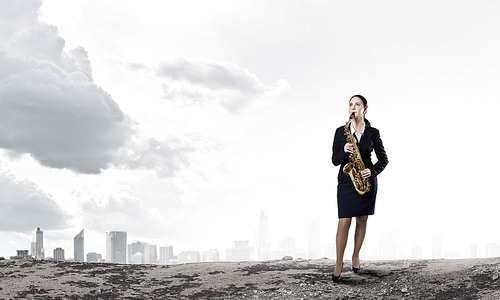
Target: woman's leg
x,y
342,234
359,237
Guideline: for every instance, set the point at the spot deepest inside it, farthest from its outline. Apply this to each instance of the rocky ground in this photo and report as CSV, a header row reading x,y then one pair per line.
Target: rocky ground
x,y
287,279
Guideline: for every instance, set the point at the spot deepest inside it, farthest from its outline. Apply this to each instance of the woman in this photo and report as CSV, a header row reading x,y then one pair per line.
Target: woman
x,y
349,202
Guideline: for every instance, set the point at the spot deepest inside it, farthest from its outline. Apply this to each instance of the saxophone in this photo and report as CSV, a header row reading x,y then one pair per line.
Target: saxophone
x,y
355,164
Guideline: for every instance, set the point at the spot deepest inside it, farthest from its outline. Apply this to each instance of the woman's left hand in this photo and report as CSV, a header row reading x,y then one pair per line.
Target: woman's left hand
x,y
366,173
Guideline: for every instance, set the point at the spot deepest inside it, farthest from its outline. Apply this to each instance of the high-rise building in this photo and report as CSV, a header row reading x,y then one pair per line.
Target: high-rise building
x,y
241,252
166,255
59,254
314,239
287,246
37,250
263,233
94,257
188,257
211,255
133,249
148,254
263,241
21,254
116,247
78,242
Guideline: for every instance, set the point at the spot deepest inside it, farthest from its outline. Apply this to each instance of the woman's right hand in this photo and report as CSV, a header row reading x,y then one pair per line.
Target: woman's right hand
x,y
348,148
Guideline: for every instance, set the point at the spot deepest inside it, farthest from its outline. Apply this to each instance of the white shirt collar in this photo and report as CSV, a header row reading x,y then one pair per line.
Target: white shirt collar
x,y
362,130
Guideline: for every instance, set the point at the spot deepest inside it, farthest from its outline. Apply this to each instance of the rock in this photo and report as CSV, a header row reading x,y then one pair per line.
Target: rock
x,y
404,290
288,257
494,277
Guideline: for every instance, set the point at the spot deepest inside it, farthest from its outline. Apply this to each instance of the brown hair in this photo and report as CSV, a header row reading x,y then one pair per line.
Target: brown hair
x,y
365,103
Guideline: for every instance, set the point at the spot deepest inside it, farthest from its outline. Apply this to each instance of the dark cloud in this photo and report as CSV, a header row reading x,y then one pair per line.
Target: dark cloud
x,y
24,206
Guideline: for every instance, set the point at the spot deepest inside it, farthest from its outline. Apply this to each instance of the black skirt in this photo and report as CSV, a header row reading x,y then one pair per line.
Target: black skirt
x,y
351,204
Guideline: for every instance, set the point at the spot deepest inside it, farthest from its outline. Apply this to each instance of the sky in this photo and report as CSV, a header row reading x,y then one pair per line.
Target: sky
x,y
181,121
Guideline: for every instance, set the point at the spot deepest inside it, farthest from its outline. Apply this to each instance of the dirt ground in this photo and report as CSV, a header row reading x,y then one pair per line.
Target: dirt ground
x,y
288,279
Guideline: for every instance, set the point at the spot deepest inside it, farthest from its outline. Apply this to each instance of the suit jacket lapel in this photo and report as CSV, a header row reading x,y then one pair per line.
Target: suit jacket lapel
x,y
366,136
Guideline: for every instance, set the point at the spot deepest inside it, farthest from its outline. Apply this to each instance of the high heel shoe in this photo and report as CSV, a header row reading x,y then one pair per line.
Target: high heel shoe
x,y
356,270
337,278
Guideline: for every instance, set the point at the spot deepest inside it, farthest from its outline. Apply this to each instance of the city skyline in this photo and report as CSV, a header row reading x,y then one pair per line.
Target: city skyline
x,y
179,123
389,246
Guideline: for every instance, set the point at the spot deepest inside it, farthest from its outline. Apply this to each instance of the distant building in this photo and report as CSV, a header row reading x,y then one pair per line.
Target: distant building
x,y
387,246
330,251
94,257
78,246
473,250
59,254
136,258
147,251
263,241
21,254
287,246
133,249
116,247
211,255
188,257
451,255
37,250
166,255
314,239
492,250
416,253
241,252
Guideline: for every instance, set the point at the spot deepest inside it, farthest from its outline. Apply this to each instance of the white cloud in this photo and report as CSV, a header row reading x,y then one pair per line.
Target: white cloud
x,y
24,206
120,210
165,157
51,109
62,119
225,83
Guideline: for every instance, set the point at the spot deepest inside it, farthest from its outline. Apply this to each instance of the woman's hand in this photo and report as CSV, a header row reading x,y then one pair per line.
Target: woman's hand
x,y
348,148
366,173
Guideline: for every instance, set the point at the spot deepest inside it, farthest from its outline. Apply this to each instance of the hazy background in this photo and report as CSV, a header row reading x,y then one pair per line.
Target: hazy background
x,y
179,122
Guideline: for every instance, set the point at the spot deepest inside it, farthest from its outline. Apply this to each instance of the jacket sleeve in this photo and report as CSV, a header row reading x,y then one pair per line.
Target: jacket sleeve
x,y
382,159
338,155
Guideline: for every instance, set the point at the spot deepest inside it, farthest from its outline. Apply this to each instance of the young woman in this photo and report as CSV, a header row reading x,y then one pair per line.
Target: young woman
x,y
349,202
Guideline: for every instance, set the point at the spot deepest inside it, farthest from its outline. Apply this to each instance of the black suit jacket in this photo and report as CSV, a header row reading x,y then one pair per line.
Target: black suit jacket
x,y
369,141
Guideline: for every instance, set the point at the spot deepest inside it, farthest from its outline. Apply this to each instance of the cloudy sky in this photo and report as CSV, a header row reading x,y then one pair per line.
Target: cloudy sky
x,y
180,121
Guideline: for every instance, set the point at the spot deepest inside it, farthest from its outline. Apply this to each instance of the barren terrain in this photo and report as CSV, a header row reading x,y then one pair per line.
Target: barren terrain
x,y
287,279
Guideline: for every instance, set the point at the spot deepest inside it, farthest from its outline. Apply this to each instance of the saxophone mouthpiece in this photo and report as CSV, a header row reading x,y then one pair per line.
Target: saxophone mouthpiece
x,y
351,116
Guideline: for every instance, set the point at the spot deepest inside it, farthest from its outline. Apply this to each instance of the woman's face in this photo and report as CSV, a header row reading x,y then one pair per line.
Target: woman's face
x,y
356,106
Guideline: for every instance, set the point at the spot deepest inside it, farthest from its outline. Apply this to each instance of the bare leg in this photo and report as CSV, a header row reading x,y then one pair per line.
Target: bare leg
x,y
359,237
342,234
